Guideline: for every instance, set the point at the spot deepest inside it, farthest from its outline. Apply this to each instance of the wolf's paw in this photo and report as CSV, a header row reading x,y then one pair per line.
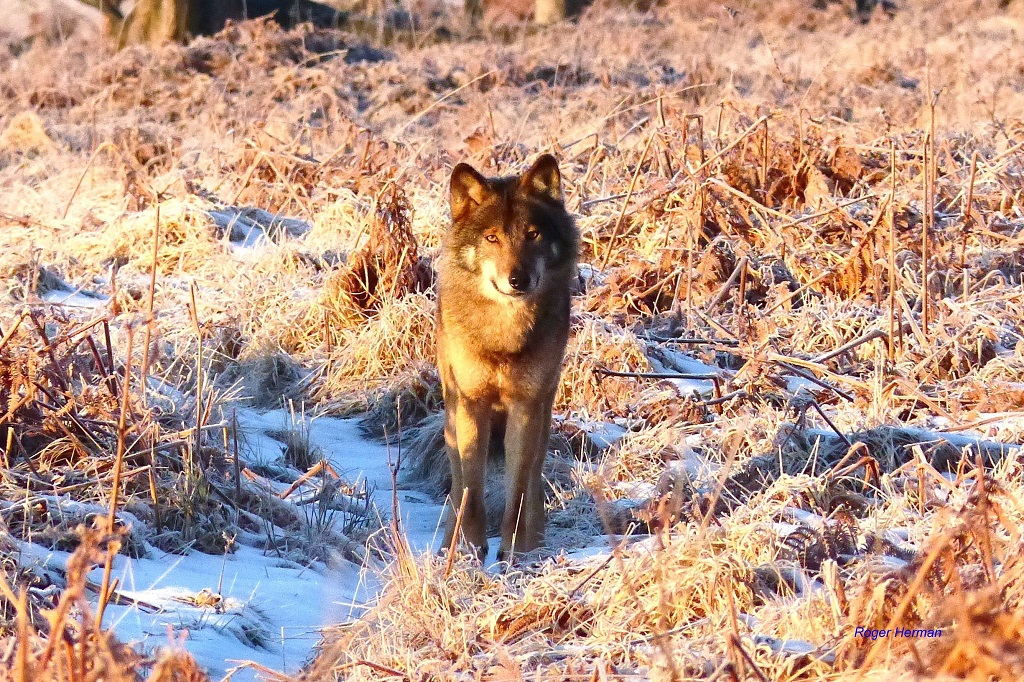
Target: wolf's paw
x,y
464,548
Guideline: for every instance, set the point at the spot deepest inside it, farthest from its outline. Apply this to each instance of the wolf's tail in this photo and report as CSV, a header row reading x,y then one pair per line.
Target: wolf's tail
x,y
423,450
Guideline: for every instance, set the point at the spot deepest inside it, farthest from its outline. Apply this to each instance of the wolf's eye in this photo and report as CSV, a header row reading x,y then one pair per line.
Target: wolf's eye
x,y
492,238
533,234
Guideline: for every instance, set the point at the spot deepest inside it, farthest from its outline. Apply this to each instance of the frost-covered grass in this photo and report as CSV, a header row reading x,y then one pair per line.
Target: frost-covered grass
x,y
798,335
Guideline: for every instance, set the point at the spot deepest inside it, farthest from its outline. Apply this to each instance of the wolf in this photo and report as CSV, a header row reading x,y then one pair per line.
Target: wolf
x,y
504,296
158,21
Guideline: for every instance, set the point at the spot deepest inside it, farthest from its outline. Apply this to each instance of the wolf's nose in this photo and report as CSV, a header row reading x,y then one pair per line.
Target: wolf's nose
x,y
518,281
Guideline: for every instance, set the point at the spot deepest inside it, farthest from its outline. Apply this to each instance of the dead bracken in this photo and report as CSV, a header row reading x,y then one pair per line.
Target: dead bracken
x,y
790,408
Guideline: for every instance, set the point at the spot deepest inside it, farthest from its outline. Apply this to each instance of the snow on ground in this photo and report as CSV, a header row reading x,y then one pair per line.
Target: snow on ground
x,y
353,457
270,612
270,609
669,360
254,228
54,289
77,299
251,605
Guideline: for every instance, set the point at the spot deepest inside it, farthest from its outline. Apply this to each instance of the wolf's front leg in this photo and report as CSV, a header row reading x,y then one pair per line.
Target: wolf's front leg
x,y
467,431
526,440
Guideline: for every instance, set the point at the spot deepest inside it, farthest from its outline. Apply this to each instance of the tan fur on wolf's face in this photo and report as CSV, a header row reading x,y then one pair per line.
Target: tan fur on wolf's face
x,y
503,322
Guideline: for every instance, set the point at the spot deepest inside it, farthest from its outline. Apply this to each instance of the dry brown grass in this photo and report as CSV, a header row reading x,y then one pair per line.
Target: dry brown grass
x,y
757,187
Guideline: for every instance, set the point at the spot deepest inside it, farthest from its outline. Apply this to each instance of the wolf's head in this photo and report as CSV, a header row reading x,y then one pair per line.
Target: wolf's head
x,y
514,233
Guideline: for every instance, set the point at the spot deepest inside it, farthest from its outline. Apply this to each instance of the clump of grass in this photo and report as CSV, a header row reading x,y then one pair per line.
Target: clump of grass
x,y
365,360
61,383
299,452
385,269
187,240
597,344
406,402
69,643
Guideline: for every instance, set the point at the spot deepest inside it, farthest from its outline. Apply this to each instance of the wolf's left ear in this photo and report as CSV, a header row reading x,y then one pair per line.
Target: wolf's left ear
x,y
543,178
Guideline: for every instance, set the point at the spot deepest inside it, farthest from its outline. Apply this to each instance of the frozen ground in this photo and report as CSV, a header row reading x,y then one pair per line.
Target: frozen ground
x,y
251,605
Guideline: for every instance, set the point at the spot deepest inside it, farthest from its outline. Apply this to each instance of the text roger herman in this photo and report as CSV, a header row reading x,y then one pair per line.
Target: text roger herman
x,y
869,633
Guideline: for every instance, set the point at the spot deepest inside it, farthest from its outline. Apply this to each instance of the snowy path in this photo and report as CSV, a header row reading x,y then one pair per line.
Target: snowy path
x,y
272,608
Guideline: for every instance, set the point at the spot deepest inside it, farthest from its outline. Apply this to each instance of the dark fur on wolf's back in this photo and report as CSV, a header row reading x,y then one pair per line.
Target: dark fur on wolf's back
x,y
506,267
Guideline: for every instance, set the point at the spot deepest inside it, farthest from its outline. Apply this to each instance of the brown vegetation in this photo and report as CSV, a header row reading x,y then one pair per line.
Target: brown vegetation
x,y
824,212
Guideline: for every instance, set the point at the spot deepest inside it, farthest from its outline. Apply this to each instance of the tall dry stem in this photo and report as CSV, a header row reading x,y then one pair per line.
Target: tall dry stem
x,y
115,489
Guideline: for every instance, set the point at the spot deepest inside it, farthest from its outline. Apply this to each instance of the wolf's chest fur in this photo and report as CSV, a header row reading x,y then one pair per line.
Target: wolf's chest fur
x,y
500,351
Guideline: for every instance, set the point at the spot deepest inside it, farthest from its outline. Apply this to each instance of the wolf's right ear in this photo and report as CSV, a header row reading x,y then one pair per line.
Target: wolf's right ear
x,y
468,188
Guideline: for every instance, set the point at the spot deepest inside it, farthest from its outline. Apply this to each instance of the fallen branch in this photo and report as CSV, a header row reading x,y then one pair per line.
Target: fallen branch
x,y
658,375
875,334
782,362
724,290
